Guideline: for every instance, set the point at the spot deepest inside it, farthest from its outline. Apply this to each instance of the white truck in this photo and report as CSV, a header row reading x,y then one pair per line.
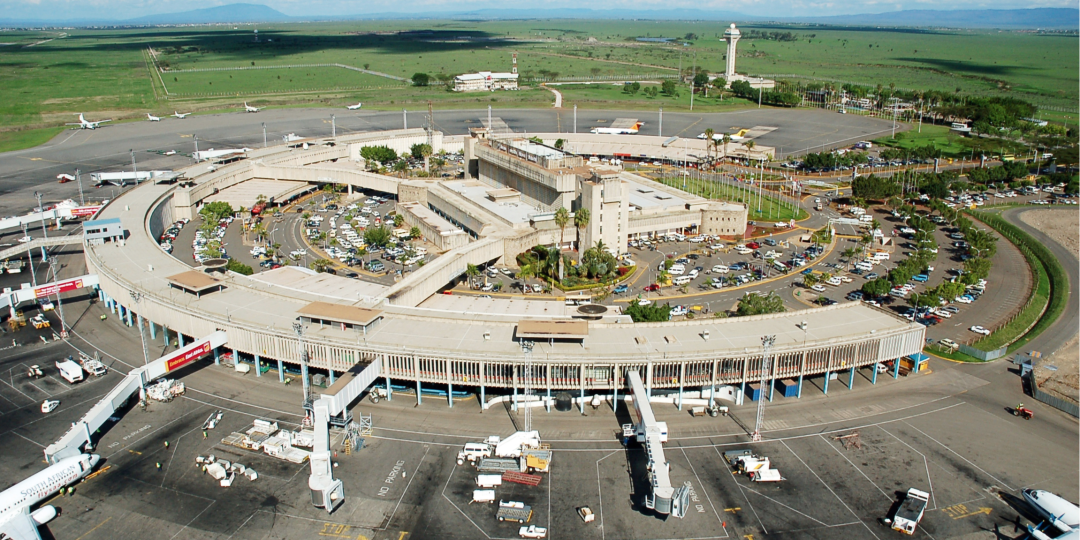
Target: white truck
x,y
910,512
70,371
483,496
473,452
488,480
532,531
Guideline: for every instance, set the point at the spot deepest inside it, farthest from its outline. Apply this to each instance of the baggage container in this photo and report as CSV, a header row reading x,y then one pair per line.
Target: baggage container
x,y
753,391
788,387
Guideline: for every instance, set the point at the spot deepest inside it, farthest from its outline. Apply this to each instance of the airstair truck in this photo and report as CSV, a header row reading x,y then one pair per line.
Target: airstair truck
x,y
911,511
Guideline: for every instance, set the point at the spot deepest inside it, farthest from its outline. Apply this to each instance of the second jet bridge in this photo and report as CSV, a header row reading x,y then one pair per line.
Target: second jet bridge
x,y
664,499
333,407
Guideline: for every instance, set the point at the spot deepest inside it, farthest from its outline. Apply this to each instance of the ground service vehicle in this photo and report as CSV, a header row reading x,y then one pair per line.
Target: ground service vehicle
x,y
532,531
483,495
910,512
586,514
473,451
69,370
1023,412
488,480
514,511
765,475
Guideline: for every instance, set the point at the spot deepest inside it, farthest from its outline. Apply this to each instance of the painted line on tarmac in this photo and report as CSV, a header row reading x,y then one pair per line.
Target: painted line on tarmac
x,y
812,471
959,456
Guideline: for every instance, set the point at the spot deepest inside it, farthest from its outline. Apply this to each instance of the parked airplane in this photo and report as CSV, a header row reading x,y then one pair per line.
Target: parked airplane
x,y
153,118
214,154
180,116
17,522
1062,514
354,107
632,130
249,108
83,124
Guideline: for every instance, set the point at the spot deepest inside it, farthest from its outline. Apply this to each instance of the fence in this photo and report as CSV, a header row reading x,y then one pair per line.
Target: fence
x,y
288,66
985,356
1053,401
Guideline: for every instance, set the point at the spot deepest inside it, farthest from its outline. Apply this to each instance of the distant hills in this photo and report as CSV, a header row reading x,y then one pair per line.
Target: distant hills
x,y
1012,19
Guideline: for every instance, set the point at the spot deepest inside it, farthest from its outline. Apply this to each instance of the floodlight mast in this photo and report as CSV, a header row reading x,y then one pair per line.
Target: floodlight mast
x,y
766,380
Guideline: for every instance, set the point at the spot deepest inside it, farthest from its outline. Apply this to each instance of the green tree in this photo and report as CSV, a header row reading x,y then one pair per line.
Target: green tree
x,y
415,233
668,87
378,154
239,267
559,143
378,236
755,304
650,313
877,287
398,220
562,219
421,79
581,220
216,211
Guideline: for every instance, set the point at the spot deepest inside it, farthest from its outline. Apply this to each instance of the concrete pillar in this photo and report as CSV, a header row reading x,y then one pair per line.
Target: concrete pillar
x,y
799,392
581,377
827,382
772,388
873,376
419,390
165,334
128,316
615,399
416,373
389,391
682,375
547,377
331,371
548,405
217,357
101,295
235,357
258,366
180,338
483,400
280,371
450,395
851,379
153,330
514,383
896,368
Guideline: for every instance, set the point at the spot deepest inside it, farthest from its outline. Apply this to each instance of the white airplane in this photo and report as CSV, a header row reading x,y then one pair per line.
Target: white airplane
x,y
617,131
17,522
153,118
214,154
1062,514
249,108
354,107
83,124
180,116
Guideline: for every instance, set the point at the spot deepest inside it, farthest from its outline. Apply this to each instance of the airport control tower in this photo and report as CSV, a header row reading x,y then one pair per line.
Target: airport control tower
x,y
731,36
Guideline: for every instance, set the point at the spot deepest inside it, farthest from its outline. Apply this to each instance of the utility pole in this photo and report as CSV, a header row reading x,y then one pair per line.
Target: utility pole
x,y
59,304
134,170
30,256
693,73
766,377
196,137
44,228
264,134
405,119
762,85
527,347
299,329
489,120
575,118
78,178
660,130
333,126
137,298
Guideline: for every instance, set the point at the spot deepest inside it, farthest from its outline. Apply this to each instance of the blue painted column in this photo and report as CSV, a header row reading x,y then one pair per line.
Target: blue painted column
x,y
827,374
419,399
742,392
180,339
873,378
680,393
851,379
217,356
483,400
153,329
450,395
389,391
896,368
235,357
548,405
798,394
280,371
128,316
615,399
258,372
101,295
513,400
331,371
772,388
165,334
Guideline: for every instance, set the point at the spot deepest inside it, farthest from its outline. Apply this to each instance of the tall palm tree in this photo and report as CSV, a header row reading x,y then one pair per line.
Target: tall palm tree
x,y
581,220
562,218
709,141
726,139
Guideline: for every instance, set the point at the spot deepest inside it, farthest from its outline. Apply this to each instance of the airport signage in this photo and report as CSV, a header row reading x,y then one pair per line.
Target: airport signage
x,y
58,287
187,355
84,211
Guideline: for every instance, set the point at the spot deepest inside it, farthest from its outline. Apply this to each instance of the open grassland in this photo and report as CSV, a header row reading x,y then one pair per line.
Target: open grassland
x,y
51,75
17,140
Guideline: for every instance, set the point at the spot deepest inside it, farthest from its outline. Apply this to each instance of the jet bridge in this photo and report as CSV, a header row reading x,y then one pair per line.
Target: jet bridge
x,y
333,407
73,442
664,499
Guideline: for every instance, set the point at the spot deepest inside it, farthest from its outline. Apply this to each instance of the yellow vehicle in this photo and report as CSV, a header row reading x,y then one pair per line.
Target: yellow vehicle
x,y
39,321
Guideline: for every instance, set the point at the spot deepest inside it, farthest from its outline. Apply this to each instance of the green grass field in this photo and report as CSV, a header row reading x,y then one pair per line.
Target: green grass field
x,y
109,73
769,208
950,143
27,138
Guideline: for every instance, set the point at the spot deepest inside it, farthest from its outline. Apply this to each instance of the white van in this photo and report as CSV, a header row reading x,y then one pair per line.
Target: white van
x,y
473,452
864,266
682,280
488,480
70,371
677,270
879,256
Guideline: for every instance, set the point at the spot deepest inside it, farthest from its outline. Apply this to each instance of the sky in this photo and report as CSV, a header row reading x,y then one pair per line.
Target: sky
x,y
127,9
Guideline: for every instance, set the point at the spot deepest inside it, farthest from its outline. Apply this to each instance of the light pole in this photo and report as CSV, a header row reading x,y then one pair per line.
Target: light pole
x,y
264,134
766,377
299,329
78,178
137,298
134,169
44,229
660,129
59,304
196,138
575,118
333,126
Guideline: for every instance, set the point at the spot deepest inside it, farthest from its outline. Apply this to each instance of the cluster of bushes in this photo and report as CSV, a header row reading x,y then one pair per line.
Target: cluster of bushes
x,y
771,97
832,160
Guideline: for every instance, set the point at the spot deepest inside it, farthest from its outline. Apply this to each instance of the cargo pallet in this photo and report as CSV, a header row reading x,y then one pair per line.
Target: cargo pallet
x,y
521,478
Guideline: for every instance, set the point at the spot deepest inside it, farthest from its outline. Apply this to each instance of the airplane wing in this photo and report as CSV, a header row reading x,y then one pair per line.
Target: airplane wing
x,y
20,527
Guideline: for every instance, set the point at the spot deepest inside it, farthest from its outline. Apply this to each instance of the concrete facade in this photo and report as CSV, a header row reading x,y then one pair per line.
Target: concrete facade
x,y
433,227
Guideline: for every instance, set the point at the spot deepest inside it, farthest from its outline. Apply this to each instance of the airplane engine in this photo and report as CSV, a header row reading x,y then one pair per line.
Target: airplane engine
x,y
43,515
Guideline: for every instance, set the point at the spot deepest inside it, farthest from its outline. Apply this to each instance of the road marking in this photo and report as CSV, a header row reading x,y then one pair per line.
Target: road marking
x,y
338,530
94,529
959,456
97,472
960,511
733,510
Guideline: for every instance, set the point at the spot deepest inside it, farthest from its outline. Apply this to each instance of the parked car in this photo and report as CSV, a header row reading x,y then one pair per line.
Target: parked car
x,y
979,330
619,289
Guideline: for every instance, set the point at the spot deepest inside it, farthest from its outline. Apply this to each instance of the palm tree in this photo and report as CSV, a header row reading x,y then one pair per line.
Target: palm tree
x,y
471,272
749,148
726,139
709,141
581,220
562,218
